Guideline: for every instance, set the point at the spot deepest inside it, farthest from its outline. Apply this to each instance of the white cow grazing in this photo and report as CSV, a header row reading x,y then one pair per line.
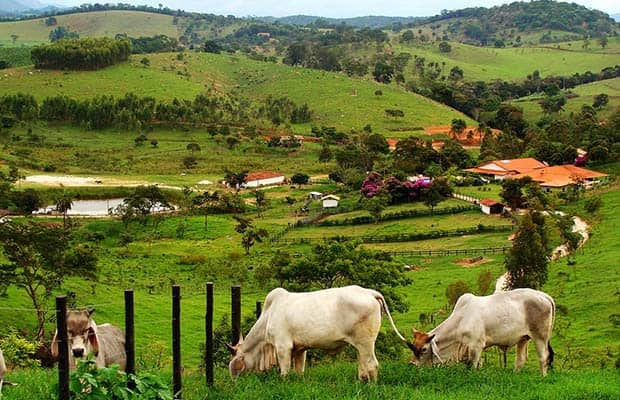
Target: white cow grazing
x,y
477,322
292,323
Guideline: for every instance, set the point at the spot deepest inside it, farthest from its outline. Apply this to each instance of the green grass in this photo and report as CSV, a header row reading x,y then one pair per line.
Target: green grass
x,y
514,64
397,380
335,99
585,96
410,225
91,24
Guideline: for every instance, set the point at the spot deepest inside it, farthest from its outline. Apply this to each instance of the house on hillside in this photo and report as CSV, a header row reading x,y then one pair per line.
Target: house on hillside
x,y
263,178
500,169
490,206
330,201
315,195
559,177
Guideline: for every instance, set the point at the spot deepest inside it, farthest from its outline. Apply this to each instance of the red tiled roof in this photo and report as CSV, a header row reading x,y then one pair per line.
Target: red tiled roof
x,y
507,167
490,202
560,175
255,176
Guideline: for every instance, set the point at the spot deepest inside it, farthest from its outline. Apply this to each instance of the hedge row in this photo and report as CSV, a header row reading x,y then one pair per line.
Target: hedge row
x,y
367,219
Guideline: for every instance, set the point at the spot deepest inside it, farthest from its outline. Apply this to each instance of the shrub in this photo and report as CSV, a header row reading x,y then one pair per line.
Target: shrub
x,y
456,290
592,204
90,383
18,351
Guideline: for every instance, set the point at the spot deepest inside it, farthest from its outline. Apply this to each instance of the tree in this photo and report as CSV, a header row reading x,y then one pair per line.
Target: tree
x,y
62,33
190,162
445,47
206,201
63,205
325,154
375,206
211,46
261,200
553,104
26,201
193,147
235,179
512,191
456,290
603,41
141,203
600,100
249,233
14,37
510,119
437,192
333,264
394,113
300,178
7,180
526,262
458,125
383,72
570,239
38,258
376,144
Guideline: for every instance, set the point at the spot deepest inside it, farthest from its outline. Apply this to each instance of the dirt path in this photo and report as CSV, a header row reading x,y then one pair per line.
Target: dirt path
x,y
579,225
72,181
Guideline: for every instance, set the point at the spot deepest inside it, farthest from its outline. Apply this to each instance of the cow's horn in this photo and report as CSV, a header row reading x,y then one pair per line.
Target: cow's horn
x,y
240,338
414,330
231,348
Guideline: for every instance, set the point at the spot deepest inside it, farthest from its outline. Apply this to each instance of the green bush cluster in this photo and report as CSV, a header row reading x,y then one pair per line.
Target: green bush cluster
x,y
81,54
367,219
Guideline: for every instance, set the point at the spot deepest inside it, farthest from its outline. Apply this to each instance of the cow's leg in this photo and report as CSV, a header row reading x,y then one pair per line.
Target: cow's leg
x,y
521,354
284,359
543,354
368,366
299,361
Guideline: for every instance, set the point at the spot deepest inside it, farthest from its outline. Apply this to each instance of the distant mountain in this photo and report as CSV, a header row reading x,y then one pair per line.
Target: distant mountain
x,y
15,6
369,21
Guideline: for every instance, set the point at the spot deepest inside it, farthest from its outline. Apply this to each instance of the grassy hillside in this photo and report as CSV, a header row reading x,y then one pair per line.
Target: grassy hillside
x,y
585,96
480,63
336,99
101,23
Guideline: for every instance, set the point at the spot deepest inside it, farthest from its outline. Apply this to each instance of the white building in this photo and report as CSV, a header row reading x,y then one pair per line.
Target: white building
x,y
264,178
330,201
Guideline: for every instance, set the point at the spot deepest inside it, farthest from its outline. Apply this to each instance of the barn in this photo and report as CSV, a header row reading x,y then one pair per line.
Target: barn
x,y
263,178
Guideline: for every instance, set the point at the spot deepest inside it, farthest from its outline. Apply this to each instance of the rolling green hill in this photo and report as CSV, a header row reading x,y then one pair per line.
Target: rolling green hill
x,y
336,99
91,24
585,96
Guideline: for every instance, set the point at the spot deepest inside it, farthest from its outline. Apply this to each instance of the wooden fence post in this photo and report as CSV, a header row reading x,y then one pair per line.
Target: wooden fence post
x,y
177,384
130,348
63,348
235,313
209,335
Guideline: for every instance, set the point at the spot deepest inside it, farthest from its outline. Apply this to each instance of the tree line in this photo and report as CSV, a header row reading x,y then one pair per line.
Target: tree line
x,y
133,112
81,54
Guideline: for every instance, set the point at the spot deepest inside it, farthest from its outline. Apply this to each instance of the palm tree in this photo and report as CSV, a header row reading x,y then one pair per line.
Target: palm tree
x,y
64,204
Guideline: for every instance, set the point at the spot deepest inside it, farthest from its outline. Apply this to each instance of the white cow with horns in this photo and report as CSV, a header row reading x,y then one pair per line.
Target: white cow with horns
x,y
292,323
477,322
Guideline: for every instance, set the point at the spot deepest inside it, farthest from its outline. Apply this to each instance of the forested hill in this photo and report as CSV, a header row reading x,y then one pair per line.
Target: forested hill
x,y
369,21
481,24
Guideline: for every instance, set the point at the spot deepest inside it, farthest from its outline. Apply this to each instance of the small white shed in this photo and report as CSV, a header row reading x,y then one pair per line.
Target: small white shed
x,y
330,201
315,195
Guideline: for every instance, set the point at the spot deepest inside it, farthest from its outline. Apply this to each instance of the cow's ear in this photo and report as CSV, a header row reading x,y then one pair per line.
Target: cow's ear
x,y
92,338
431,337
411,346
231,348
414,331
90,311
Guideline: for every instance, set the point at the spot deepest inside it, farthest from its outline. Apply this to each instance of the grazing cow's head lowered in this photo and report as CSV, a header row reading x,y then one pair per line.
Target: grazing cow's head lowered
x,y
257,357
422,348
81,334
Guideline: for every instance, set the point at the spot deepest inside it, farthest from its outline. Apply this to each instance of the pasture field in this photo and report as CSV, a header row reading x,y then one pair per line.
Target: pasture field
x,y
91,24
336,100
514,64
585,96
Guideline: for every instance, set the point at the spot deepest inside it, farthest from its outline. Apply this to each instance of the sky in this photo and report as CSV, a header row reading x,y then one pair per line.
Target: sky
x,y
332,8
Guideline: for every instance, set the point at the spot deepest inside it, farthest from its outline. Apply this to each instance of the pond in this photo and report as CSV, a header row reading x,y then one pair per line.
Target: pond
x,y
91,208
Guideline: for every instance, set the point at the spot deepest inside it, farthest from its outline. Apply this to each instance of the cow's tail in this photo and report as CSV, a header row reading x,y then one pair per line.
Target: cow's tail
x,y
385,308
551,354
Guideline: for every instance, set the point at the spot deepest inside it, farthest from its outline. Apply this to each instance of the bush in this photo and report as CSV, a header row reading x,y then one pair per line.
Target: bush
x,y
592,204
19,352
90,383
456,290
